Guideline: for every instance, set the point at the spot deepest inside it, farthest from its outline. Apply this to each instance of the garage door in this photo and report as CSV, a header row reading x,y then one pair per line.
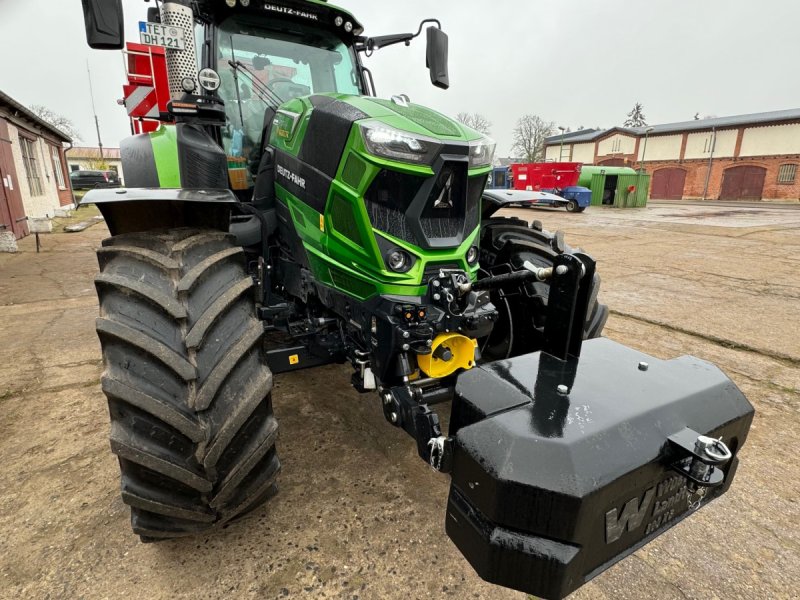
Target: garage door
x,y
668,184
743,183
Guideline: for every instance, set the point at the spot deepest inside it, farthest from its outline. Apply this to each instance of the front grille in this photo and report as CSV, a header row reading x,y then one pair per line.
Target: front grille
x,y
434,212
388,198
351,285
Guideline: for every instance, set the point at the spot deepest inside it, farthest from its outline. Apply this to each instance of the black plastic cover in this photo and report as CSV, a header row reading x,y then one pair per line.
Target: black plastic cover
x,y
328,129
203,164
548,489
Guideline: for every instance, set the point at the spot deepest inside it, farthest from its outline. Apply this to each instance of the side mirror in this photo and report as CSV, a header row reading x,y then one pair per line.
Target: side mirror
x,y
105,28
437,57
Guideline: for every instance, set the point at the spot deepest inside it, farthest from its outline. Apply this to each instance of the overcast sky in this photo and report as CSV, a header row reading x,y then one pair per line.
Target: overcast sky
x,y
574,62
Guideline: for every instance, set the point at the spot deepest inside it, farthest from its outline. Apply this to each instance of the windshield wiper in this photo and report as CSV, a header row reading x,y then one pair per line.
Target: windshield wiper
x,y
266,95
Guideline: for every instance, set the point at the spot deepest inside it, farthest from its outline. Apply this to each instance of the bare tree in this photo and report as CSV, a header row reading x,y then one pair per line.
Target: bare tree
x,y
56,120
529,136
475,120
636,117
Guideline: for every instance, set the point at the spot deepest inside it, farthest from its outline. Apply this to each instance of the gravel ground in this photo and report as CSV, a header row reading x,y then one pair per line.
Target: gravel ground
x,y
358,514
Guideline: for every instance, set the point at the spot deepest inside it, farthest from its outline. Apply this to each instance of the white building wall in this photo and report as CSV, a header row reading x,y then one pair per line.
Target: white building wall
x,y
45,204
698,145
616,144
583,153
770,141
551,153
662,147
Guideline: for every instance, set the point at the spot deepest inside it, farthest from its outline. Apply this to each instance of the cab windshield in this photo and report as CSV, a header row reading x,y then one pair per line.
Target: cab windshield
x,y
280,62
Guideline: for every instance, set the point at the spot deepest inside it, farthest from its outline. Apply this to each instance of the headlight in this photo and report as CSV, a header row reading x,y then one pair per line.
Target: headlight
x,y
481,152
399,261
472,255
388,142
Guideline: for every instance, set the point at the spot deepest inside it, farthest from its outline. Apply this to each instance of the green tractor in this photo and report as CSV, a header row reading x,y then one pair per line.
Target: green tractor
x,y
284,217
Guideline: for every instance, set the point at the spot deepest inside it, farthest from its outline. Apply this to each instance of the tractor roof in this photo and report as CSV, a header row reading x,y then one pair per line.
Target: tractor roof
x,y
313,12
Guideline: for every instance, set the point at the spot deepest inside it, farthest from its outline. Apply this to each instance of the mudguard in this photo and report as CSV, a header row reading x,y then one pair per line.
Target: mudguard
x,y
142,209
494,200
562,468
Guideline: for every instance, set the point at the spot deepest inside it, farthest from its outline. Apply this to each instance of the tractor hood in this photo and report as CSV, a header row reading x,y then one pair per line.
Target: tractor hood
x,y
374,178
396,113
415,118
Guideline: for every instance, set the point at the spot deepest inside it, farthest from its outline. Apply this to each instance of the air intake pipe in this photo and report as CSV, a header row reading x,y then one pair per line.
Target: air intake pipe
x,y
181,64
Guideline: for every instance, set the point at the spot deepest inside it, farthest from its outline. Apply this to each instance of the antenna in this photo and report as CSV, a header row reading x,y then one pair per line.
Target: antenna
x,y
94,110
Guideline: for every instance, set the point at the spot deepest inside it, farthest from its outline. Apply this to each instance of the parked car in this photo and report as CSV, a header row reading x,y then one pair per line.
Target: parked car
x,y
87,180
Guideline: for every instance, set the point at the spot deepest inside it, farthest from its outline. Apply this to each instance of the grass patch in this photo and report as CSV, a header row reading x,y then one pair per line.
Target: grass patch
x,y
82,213
77,195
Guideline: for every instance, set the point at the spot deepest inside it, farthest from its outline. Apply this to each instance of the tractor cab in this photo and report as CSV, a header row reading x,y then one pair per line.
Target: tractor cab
x,y
265,59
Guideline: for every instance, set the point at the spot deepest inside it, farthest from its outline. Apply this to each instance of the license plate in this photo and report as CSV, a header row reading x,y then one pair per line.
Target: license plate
x,y
156,34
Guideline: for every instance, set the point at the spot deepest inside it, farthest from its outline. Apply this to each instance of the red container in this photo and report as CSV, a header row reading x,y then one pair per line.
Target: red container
x,y
545,176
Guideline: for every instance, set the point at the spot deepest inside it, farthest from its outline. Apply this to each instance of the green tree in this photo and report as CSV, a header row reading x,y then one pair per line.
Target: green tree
x,y
636,117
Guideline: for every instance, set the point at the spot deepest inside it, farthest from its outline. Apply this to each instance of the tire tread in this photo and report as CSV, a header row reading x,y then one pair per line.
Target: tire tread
x,y
191,411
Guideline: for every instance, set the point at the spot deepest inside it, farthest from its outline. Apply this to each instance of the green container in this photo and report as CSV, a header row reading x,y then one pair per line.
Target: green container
x,y
612,183
597,184
636,199
589,171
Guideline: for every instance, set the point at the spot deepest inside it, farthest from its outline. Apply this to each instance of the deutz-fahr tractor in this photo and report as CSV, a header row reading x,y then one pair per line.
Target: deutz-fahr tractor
x,y
283,217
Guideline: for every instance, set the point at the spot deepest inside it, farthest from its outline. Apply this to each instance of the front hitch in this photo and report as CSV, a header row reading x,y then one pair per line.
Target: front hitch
x,y
567,460
562,468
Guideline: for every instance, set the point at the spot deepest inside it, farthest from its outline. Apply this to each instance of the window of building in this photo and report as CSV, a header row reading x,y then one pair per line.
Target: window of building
x,y
58,169
31,166
787,174
74,167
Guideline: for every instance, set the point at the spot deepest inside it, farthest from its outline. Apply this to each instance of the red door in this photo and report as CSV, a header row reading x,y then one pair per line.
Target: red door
x,y
668,184
743,183
12,215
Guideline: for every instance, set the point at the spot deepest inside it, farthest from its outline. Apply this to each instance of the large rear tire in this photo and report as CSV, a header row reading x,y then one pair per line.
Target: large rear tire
x,y
506,243
188,390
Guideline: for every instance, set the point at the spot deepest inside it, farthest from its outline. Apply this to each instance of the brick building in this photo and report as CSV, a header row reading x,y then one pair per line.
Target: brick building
x,y
33,174
744,157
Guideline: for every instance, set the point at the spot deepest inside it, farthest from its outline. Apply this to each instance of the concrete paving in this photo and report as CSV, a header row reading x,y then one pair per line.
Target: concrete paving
x,y
358,514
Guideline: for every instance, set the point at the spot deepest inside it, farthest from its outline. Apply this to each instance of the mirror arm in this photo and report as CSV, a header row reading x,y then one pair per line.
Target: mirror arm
x,y
369,44
421,25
